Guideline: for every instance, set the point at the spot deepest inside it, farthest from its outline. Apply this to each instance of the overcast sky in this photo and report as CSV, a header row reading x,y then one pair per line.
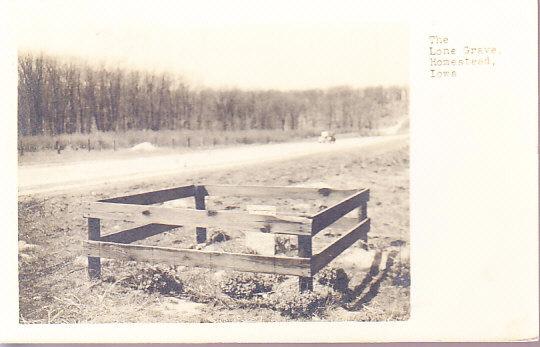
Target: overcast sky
x,y
245,44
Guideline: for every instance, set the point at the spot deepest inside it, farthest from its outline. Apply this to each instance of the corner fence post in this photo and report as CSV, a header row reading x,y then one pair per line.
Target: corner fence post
x,y
362,214
200,205
94,234
305,251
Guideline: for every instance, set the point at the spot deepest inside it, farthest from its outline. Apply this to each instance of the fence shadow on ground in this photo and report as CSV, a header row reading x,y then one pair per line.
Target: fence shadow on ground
x,y
364,292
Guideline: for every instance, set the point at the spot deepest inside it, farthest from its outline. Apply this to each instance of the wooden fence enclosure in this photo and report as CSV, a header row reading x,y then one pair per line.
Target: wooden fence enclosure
x,y
140,209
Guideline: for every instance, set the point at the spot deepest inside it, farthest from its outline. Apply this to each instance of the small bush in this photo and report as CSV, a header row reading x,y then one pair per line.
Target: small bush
x,y
155,280
336,279
246,285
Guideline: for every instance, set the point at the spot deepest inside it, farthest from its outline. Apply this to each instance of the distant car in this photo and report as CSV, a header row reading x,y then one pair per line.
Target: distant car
x,y
327,137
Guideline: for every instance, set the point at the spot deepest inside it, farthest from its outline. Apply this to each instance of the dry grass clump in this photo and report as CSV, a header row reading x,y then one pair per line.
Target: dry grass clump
x,y
336,279
280,294
154,279
294,304
239,285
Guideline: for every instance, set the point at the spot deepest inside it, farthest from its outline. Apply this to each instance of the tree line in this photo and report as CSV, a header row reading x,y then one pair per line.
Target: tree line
x,y
58,97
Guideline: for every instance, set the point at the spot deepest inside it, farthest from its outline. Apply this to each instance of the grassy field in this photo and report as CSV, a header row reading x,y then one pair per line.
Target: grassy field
x,y
110,145
68,154
70,146
54,288
43,149
163,138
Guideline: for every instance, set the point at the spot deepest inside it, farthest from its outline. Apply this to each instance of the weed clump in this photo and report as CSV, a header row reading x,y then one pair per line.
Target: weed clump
x,y
303,305
155,279
246,285
336,279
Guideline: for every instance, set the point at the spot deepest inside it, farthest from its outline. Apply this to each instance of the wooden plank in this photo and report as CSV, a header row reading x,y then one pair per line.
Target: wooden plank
x,y
200,233
94,263
305,283
362,212
189,257
280,224
267,210
277,192
136,234
328,254
154,197
328,216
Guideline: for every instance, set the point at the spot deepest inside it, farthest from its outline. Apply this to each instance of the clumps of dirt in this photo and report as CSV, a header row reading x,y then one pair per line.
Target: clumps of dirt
x,y
284,245
218,236
239,285
337,279
153,279
214,239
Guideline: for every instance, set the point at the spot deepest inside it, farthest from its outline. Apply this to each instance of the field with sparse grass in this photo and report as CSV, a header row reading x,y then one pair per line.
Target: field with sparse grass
x,y
163,138
54,287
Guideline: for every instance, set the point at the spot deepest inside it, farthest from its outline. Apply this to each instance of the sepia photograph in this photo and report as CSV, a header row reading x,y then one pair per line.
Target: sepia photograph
x,y
253,171
173,169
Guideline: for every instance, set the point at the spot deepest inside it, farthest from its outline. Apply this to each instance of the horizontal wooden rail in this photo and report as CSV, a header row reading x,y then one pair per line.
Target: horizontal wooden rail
x,y
138,233
328,254
280,224
328,216
154,197
188,257
276,192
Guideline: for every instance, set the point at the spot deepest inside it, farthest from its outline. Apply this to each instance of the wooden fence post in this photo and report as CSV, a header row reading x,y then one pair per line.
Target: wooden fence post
x,y
200,205
305,251
362,214
94,234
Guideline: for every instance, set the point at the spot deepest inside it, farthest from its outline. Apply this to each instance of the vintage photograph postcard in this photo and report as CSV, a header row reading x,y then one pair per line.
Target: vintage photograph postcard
x,y
270,171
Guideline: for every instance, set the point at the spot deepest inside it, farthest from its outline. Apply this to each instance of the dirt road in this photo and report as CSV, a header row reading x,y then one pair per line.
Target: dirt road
x,y
52,178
